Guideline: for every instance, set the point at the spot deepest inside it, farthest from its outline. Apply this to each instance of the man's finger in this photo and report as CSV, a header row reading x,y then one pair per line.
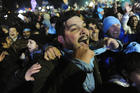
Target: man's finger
x,y
45,56
35,66
32,79
34,71
49,55
57,52
52,53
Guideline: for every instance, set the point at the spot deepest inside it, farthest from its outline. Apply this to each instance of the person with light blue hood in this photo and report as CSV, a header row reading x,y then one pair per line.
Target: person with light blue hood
x,y
100,13
112,28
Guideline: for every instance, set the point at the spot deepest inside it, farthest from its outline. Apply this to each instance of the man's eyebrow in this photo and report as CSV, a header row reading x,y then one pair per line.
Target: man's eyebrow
x,y
72,25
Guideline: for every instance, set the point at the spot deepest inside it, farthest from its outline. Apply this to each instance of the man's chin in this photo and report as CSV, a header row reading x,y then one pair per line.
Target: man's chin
x,y
82,43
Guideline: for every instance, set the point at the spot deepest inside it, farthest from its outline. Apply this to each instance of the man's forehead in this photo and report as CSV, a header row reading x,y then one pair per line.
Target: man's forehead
x,y
74,20
13,28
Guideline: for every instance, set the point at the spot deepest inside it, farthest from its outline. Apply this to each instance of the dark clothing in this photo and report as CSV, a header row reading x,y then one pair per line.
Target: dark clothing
x,y
107,64
7,68
20,45
17,81
62,76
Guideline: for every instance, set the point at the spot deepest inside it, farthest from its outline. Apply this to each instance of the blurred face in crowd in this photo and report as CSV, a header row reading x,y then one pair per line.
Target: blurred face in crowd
x,y
119,16
26,19
128,7
134,21
13,33
75,33
114,31
26,34
93,31
37,25
7,42
53,24
32,45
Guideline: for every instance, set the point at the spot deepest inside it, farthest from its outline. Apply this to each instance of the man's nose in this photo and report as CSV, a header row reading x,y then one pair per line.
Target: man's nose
x,y
84,31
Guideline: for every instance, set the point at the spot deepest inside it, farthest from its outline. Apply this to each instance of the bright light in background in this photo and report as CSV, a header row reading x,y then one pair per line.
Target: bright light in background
x,y
33,4
39,8
51,7
20,11
48,7
86,3
43,10
24,11
5,16
91,4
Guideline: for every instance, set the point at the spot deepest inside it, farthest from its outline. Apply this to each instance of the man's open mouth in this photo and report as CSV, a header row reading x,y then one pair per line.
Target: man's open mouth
x,y
12,34
83,39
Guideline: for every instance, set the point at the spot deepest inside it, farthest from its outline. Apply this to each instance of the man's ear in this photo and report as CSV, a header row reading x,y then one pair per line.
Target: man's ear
x,y
17,33
61,39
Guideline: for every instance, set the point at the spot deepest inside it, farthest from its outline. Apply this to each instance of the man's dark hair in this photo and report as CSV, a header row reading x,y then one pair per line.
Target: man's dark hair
x,y
93,21
60,24
54,19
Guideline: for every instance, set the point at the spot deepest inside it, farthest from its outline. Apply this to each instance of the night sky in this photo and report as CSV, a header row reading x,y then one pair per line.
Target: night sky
x,y
11,4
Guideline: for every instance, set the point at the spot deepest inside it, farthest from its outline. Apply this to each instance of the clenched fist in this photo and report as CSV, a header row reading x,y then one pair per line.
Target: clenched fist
x,y
84,53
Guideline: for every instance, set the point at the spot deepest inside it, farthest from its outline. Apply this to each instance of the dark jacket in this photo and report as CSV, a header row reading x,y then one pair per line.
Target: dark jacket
x,y
63,76
7,68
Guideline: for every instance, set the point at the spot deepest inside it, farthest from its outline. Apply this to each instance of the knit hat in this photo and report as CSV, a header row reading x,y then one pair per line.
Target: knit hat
x,y
132,47
37,39
27,29
108,22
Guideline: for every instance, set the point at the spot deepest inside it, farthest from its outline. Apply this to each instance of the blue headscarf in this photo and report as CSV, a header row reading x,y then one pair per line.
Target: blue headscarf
x,y
98,12
108,22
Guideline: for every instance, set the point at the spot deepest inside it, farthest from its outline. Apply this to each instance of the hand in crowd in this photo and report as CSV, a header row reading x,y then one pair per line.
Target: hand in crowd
x,y
2,55
51,53
84,53
111,43
35,68
22,56
128,8
137,7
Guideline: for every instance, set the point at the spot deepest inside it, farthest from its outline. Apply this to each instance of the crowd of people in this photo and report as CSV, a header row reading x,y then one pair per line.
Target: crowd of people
x,y
73,51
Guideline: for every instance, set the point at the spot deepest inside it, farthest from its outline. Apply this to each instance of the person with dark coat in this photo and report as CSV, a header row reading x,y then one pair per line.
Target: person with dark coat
x,y
73,72
8,64
77,70
28,57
